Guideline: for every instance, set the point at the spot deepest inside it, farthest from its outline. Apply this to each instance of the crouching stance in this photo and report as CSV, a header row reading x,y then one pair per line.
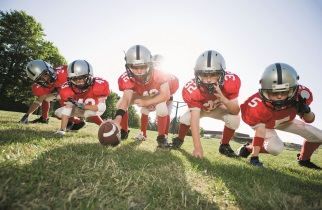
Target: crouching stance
x,y
212,93
279,100
84,96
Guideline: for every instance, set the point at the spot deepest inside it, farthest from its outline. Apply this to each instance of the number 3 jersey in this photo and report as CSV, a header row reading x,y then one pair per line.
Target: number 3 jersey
x,y
99,89
199,98
150,88
255,113
61,72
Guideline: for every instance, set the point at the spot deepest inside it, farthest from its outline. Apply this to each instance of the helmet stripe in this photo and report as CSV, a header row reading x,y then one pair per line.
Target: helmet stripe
x,y
72,68
279,73
209,58
29,70
87,66
137,52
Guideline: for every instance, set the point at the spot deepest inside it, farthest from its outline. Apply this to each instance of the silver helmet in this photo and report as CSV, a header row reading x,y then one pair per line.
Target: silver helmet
x,y
210,62
37,68
279,77
79,69
138,55
158,61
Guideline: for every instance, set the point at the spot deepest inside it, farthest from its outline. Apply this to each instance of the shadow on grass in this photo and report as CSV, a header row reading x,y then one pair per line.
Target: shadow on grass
x,y
89,176
260,188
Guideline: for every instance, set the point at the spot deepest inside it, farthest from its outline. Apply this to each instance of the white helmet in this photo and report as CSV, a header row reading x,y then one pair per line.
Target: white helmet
x,y
279,77
138,55
210,62
36,68
80,69
158,61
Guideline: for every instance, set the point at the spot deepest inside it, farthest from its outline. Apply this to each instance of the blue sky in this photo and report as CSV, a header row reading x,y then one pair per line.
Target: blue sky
x,y
250,34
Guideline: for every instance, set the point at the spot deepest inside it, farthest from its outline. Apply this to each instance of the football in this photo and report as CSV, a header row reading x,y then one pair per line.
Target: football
x,y
108,134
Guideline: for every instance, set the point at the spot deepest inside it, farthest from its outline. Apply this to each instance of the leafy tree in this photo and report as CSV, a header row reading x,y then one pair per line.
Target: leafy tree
x,y
134,118
21,40
111,106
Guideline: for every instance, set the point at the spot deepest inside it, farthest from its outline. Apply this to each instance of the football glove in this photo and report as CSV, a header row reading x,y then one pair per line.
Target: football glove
x,y
303,108
77,104
24,119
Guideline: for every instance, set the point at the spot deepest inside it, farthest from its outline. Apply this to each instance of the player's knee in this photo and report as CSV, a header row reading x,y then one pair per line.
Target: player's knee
x,y
161,110
232,121
144,110
185,118
275,147
58,112
89,113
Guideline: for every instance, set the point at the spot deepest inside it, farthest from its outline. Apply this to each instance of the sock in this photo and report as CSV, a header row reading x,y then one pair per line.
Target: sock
x,y
162,122
307,149
227,134
95,119
183,130
125,121
168,125
144,123
45,106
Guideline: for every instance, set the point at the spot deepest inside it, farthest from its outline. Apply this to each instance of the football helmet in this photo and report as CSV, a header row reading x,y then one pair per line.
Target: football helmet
x,y
158,61
210,62
36,69
279,77
138,55
80,69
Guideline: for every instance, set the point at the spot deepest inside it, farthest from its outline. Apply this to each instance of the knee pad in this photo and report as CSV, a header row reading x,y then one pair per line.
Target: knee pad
x,y
185,118
90,113
274,145
144,110
161,109
232,121
58,112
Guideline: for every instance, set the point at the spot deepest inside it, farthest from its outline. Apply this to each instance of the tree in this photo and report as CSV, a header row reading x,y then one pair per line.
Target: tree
x,y
134,118
111,106
21,40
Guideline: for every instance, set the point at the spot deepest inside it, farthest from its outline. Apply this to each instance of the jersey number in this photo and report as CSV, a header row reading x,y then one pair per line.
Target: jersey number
x,y
190,86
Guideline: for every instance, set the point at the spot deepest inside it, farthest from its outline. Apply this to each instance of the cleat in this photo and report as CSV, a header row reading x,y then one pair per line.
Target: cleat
x,y
139,137
124,134
69,126
307,163
243,151
162,141
225,149
255,162
78,126
176,143
40,120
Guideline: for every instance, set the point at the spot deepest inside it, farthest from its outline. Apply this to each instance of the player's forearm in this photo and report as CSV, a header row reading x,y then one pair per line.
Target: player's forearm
x,y
158,99
194,123
232,106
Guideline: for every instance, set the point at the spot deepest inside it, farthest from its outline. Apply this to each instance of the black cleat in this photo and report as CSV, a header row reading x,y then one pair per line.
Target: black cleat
x,y
225,149
40,120
243,151
255,162
70,125
162,141
176,143
307,163
78,126
124,134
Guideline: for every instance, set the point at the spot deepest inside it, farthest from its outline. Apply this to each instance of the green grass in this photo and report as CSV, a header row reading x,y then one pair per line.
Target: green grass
x,y
41,171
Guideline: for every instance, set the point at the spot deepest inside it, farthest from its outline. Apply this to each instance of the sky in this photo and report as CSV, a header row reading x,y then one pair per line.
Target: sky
x,y
250,34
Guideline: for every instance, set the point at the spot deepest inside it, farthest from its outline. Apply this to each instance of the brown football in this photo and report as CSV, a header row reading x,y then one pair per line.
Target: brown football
x,y
108,134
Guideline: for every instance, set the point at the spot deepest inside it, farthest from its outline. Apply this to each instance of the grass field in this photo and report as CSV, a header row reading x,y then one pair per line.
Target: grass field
x,y
41,171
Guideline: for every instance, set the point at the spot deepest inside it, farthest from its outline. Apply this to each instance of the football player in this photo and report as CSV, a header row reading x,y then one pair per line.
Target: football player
x,y
212,93
279,100
84,96
145,87
47,83
158,61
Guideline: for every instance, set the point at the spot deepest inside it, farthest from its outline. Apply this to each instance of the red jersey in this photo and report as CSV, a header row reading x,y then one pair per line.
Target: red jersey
x,y
254,111
199,98
62,75
151,88
99,89
173,84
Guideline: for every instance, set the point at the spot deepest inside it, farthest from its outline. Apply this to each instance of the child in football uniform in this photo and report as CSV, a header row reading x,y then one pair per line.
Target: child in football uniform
x,y
46,86
145,87
158,64
84,96
212,93
279,100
